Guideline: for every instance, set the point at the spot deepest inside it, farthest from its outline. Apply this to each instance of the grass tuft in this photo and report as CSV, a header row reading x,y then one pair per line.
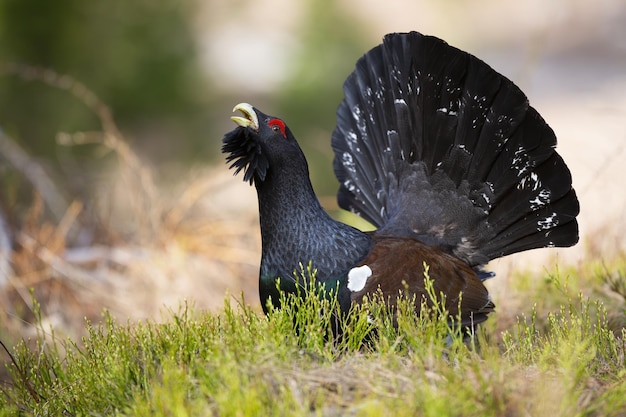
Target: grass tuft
x,y
239,362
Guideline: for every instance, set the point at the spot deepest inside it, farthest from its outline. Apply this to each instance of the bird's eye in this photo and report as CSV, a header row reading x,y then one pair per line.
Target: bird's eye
x,y
277,126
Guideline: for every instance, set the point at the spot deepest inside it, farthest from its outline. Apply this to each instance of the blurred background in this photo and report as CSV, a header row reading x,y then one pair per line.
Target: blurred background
x,y
113,191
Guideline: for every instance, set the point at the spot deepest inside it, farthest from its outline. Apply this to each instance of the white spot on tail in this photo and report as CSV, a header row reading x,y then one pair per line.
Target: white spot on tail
x,y
446,110
548,222
350,186
348,162
540,200
521,162
530,181
357,277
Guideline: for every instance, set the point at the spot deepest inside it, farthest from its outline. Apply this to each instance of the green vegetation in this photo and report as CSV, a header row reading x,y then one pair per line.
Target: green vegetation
x,y
140,57
565,362
565,354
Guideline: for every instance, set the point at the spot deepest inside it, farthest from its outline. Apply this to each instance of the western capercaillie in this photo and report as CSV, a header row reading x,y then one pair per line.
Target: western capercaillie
x,y
438,151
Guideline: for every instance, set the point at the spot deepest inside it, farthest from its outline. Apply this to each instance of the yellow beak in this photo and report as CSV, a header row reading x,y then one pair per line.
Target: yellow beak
x,y
250,118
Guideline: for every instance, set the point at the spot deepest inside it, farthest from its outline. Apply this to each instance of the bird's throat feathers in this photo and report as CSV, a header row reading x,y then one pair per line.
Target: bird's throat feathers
x,y
245,154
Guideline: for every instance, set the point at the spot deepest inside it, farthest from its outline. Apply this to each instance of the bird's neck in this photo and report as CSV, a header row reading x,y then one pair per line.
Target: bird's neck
x,y
295,230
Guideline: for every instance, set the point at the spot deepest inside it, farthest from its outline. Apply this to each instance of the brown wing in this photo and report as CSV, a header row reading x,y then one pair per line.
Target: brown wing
x,y
397,268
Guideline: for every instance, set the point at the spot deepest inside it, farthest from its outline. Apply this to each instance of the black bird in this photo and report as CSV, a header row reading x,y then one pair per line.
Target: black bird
x,y
440,152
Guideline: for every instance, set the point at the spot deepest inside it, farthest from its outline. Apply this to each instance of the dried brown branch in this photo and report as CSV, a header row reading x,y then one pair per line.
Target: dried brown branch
x,y
34,173
146,203
6,248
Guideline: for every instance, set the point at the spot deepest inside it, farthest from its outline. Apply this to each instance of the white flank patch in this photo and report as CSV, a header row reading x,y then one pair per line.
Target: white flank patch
x,y
357,277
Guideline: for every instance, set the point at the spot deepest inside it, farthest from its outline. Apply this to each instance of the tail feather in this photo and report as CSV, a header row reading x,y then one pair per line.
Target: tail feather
x,y
432,143
501,121
552,226
536,191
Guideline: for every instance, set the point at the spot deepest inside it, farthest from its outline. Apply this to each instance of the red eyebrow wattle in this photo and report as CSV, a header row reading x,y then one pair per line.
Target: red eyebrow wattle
x,y
280,124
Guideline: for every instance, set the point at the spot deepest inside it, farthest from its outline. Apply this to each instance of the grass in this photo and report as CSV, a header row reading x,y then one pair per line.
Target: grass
x,y
555,347
240,363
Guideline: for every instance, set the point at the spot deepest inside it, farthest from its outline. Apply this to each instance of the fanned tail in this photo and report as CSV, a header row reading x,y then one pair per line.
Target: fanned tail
x,y
433,143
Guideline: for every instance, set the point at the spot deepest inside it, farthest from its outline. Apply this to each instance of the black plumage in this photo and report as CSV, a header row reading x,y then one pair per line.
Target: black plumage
x,y
437,150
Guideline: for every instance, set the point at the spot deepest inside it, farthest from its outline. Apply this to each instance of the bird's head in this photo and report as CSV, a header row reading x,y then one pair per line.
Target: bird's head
x,y
260,143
